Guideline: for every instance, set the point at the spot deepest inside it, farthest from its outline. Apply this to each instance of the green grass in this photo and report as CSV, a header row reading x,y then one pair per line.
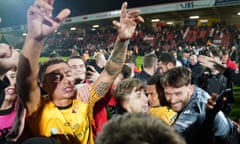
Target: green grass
x,y
139,61
43,59
235,113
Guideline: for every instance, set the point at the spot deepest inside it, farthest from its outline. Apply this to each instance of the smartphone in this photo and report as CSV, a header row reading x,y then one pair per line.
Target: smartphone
x,y
91,62
224,93
89,69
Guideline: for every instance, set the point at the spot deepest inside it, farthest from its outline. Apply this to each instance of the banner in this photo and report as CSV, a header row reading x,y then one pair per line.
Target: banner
x,y
226,2
195,4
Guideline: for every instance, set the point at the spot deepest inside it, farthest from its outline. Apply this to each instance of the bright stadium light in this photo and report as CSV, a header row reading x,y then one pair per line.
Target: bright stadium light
x,y
194,17
203,20
73,28
24,34
155,20
95,26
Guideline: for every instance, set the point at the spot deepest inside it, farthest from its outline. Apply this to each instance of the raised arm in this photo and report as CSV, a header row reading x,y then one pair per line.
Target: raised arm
x,y
211,63
40,25
229,73
126,27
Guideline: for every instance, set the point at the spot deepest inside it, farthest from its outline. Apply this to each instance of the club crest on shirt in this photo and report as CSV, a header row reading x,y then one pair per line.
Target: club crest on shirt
x,y
75,109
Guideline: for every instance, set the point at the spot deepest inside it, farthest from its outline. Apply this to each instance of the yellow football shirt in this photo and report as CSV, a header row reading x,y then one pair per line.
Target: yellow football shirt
x,y
165,113
69,126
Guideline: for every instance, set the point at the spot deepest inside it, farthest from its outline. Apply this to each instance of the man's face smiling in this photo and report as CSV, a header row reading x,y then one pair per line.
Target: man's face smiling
x,y
178,98
152,95
136,101
78,68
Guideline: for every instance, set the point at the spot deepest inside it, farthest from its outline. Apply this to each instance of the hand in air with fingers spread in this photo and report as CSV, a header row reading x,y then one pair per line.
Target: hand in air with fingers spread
x,y
128,22
211,63
40,20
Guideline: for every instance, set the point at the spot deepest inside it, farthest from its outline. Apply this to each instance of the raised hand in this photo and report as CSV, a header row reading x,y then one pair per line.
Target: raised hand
x,y
83,92
211,63
216,101
92,74
237,125
128,22
40,20
8,58
5,50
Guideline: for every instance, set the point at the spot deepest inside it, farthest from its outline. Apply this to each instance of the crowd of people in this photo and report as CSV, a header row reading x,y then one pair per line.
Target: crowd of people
x,y
145,39
172,100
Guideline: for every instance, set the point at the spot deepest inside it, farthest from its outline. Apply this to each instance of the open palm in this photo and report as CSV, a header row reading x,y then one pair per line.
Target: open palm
x,y
40,21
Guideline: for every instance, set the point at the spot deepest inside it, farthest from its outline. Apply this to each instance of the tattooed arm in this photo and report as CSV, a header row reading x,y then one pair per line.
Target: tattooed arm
x,y
112,68
126,27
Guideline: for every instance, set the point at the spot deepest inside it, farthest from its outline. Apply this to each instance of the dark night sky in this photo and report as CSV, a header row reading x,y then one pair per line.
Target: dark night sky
x,y
13,12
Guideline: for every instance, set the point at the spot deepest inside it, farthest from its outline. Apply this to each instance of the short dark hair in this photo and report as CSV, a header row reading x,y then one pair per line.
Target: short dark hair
x,y
176,77
130,59
54,55
149,60
45,65
125,87
155,80
167,58
138,128
186,50
126,71
217,52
